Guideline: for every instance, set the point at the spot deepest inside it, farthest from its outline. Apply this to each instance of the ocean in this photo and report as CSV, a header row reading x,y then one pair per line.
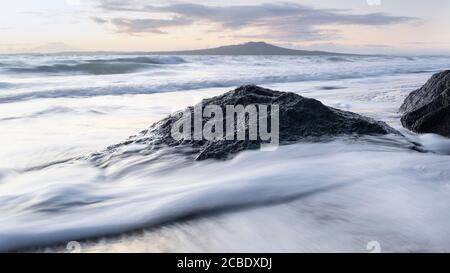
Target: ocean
x,y
57,109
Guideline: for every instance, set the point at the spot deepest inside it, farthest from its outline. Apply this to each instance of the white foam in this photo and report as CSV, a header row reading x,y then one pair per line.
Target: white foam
x,y
389,183
435,143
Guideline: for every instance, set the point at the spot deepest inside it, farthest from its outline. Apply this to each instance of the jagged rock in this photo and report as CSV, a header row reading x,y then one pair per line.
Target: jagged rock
x,y
427,109
300,119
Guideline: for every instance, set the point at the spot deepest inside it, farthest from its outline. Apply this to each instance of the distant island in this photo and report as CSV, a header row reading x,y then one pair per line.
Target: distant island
x,y
250,48
246,49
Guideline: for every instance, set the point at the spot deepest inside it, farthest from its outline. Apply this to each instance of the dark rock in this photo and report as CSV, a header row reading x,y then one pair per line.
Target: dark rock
x,y
427,109
300,119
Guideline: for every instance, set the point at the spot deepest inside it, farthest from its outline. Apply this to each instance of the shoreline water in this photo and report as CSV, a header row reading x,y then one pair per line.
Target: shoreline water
x,y
72,199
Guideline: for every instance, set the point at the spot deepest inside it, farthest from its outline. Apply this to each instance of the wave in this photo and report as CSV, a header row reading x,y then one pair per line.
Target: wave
x,y
118,90
120,197
100,66
5,85
143,60
329,87
85,68
339,59
56,110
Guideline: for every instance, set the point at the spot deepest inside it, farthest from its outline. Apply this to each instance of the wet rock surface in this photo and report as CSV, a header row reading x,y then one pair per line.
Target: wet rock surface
x,y
300,120
427,109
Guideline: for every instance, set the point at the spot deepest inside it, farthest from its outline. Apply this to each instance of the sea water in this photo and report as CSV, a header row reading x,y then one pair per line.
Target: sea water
x,y
336,196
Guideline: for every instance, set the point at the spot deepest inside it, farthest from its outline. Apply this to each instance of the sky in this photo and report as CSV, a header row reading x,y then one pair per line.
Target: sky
x,y
354,26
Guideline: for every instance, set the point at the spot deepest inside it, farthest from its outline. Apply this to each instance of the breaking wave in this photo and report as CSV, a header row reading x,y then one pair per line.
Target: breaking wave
x,y
100,66
151,88
143,60
339,59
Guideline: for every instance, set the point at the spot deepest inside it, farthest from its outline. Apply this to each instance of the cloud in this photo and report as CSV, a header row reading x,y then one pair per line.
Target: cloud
x,y
99,20
277,21
148,25
240,16
120,5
